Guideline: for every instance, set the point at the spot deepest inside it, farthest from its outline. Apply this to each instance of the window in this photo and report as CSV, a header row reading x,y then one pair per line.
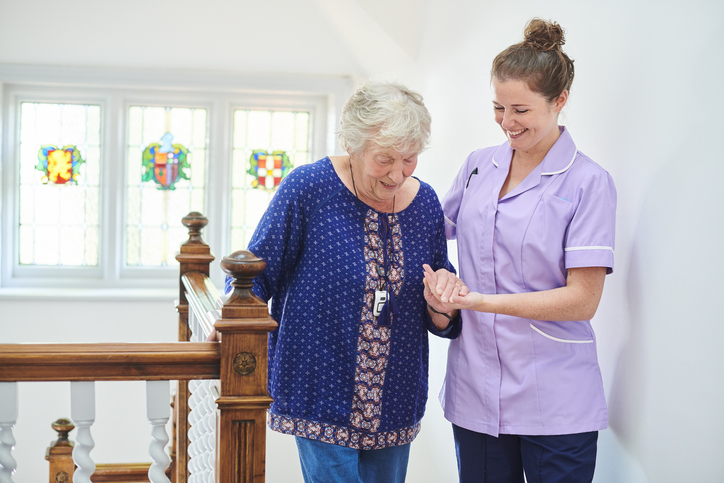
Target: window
x,y
96,177
166,174
59,167
266,145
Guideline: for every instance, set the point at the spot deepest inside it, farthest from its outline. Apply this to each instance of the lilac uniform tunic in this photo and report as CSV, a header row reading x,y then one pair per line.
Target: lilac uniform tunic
x,y
512,375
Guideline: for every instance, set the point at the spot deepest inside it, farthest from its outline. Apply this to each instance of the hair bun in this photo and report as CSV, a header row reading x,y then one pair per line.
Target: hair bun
x,y
543,35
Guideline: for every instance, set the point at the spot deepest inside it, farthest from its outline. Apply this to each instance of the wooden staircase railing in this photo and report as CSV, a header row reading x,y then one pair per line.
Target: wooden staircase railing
x,y
238,361
137,361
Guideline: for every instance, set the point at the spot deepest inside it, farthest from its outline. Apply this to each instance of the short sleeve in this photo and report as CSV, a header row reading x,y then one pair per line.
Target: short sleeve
x,y
452,199
590,238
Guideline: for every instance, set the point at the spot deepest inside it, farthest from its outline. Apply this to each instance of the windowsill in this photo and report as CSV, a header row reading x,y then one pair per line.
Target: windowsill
x,y
94,294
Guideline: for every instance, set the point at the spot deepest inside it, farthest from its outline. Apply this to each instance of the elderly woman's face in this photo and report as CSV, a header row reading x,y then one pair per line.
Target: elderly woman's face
x,y
383,172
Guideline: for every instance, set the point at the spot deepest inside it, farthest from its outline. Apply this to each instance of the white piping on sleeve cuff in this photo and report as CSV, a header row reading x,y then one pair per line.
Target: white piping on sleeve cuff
x,y
572,249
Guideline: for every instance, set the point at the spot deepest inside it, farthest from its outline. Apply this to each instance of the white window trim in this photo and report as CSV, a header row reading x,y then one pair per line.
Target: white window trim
x,y
115,90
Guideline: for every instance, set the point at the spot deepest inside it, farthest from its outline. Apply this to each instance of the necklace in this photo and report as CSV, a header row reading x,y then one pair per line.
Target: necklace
x,y
384,274
384,304
354,187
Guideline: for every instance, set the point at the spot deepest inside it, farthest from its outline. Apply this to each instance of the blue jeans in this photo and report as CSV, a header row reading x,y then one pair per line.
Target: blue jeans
x,y
566,458
329,463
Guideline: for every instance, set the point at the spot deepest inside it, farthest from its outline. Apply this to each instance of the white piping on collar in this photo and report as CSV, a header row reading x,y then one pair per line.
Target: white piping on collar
x,y
575,153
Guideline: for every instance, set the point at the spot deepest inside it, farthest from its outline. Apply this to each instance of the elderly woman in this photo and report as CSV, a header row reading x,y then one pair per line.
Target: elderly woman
x,y
345,240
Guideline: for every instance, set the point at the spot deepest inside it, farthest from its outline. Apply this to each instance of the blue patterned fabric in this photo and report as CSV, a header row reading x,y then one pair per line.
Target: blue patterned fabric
x,y
335,373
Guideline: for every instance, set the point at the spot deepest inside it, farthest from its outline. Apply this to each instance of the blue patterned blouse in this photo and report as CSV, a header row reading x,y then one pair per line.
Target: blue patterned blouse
x,y
336,373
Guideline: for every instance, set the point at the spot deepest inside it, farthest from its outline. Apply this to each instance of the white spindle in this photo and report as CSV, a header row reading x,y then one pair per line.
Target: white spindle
x,y
210,439
202,431
158,410
83,414
195,432
202,409
193,429
8,418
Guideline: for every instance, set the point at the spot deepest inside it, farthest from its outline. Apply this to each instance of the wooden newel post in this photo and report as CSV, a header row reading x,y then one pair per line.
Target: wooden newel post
x,y
243,329
194,256
60,453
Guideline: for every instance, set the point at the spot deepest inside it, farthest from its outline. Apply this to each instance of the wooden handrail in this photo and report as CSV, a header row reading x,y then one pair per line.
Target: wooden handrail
x,y
109,362
203,299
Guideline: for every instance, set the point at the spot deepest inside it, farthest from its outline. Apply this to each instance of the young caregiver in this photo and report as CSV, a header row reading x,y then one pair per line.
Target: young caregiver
x,y
534,221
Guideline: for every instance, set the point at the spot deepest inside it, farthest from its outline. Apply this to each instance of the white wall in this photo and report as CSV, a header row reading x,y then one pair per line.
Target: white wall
x,y
646,104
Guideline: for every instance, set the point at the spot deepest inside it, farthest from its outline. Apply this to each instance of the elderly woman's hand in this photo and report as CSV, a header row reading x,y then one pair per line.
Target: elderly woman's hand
x,y
443,289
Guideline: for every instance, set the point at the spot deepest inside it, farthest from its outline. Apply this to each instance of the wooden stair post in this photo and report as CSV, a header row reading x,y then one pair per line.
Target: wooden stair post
x,y
194,256
243,331
60,453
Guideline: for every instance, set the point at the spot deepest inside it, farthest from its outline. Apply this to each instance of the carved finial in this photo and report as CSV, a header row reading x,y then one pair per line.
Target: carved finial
x,y
243,267
62,426
195,222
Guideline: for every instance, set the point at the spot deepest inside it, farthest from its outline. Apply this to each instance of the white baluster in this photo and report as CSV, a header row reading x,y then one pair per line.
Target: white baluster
x,y
193,430
212,456
8,418
83,414
158,411
210,424
202,431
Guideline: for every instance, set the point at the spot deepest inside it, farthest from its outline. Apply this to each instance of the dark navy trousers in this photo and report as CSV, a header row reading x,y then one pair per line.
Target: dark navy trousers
x,y
568,458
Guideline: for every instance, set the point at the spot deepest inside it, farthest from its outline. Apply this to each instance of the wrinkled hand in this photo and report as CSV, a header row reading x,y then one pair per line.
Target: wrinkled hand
x,y
444,291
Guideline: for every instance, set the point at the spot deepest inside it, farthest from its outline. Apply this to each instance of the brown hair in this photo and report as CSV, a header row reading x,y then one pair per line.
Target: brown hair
x,y
538,60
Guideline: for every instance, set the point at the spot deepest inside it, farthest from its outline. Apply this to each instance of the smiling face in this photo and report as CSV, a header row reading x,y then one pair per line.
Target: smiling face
x,y
379,173
529,120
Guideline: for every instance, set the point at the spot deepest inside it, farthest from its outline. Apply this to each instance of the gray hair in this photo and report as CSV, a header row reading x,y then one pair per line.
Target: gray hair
x,y
386,113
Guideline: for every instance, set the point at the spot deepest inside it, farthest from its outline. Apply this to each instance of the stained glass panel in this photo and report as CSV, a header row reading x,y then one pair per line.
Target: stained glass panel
x,y
59,184
165,163
165,180
59,165
265,143
268,169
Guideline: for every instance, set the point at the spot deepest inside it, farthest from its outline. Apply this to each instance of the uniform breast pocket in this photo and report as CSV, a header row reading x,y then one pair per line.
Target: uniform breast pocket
x,y
543,245
553,214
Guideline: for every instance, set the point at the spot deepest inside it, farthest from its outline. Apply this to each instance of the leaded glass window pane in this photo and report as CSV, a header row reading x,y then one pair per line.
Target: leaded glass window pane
x,y
59,192
166,177
265,142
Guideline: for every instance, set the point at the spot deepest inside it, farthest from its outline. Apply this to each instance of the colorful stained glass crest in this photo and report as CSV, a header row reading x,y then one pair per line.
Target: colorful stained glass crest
x,y
59,166
267,169
165,163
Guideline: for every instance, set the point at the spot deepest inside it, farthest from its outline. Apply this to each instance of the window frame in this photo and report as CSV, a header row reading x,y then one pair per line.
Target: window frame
x,y
116,90
124,271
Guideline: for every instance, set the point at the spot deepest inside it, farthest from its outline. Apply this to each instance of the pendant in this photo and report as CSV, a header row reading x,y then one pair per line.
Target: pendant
x,y
380,301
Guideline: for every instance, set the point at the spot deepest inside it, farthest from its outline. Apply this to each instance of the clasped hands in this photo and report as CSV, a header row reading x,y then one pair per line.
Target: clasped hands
x,y
445,292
